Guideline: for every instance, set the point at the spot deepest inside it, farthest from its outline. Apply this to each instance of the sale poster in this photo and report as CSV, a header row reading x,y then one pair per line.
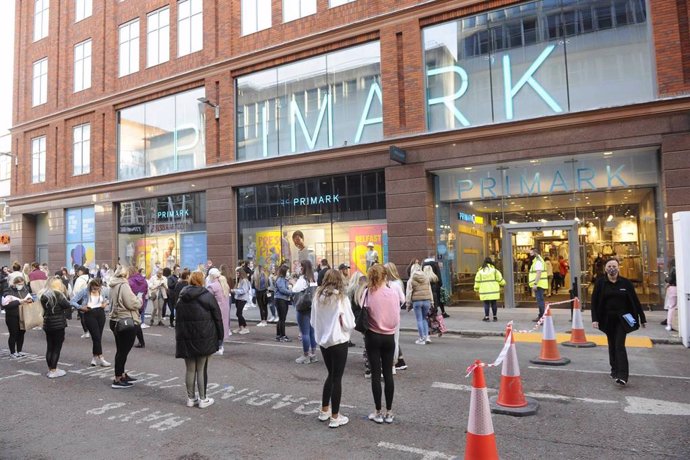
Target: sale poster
x,y
359,238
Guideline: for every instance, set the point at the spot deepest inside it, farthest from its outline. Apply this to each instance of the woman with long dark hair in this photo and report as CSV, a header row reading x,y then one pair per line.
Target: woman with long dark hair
x,y
91,303
282,297
243,294
305,281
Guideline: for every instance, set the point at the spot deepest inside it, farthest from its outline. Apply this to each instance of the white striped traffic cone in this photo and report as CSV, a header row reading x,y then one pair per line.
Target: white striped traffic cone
x,y
480,439
578,339
549,348
511,399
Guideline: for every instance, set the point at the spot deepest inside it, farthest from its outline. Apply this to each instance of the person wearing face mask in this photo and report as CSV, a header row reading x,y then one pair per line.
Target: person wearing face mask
x,y
613,297
15,295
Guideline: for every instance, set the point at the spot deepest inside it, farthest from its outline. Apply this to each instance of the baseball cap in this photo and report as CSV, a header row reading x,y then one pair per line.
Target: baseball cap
x,y
370,244
343,266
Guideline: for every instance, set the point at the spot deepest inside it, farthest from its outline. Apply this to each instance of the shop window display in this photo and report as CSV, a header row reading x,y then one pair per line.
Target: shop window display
x,y
80,230
326,217
163,232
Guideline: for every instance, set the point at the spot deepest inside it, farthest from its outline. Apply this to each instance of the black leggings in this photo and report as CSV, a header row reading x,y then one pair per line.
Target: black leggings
x,y
335,358
282,307
618,356
262,301
95,322
239,304
16,340
123,345
54,340
380,349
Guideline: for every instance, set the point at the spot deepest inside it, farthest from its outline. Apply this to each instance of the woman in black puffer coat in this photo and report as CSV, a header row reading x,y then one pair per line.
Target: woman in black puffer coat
x,y
55,304
198,331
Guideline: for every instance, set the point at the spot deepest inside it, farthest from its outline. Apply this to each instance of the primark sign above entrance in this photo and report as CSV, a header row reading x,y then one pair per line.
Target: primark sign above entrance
x,y
601,171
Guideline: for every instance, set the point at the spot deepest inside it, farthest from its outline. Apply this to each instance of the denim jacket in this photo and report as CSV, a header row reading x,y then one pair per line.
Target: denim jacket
x,y
283,290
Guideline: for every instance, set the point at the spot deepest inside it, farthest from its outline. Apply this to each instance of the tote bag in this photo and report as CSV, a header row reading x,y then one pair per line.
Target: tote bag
x,y
30,316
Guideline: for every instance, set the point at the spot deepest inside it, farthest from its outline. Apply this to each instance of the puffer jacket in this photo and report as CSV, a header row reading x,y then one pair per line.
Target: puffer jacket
x,y
198,323
54,314
418,288
125,303
11,307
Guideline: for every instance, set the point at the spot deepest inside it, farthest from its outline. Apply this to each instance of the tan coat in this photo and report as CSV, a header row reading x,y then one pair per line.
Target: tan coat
x,y
125,304
418,288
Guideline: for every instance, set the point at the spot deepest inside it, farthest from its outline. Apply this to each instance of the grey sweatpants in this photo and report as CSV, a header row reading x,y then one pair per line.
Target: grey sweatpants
x,y
196,373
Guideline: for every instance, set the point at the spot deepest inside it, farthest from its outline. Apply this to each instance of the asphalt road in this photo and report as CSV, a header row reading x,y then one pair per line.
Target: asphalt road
x,y
266,404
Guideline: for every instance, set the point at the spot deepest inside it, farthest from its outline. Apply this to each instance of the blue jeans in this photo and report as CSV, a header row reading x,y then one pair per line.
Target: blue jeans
x,y
539,294
304,322
421,311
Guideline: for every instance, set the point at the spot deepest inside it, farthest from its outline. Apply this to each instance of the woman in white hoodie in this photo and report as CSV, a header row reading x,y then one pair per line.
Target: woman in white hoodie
x,y
332,320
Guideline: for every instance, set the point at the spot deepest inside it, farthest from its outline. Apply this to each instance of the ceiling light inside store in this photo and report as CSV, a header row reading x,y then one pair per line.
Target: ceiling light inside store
x,y
534,161
471,203
606,154
469,168
577,219
609,218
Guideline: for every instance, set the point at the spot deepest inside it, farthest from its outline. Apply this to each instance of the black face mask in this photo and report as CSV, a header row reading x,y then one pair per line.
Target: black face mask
x,y
613,271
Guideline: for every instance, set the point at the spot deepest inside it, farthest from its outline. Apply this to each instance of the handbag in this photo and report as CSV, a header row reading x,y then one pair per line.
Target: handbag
x,y
304,298
125,325
30,316
362,316
630,324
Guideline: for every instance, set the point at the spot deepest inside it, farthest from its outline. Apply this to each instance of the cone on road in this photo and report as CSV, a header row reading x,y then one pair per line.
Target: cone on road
x,y
577,334
549,348
511,399
481,441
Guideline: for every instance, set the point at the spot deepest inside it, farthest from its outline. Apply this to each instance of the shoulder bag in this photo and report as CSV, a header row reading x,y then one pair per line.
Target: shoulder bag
x,y
123,324
362,315
304,298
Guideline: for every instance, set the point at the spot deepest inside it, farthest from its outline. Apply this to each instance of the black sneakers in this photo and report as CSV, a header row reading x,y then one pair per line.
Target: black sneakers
x,y
495,319
400,365
121,384
621,382
128,379
486,319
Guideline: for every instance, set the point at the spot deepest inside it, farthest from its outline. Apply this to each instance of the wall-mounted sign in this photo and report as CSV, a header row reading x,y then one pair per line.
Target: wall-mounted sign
x,y
311,200
471,218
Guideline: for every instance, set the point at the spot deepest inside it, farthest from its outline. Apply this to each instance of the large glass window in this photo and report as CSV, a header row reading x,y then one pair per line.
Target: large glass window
x,y
129,48
537,59
82,9
81,149
295,9
190,26
163,136
38,159
256,15
40,83
41,19
80,237
326,101
158,37
332,217
167,230
82,66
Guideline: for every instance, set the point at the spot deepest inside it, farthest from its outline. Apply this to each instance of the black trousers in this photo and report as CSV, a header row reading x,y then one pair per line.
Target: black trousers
x,y
54,341
282,307
81,320
335,358
487,304
618,356
262,301
239,304
95,322
16,340
140,335
123,345
172,313
380,349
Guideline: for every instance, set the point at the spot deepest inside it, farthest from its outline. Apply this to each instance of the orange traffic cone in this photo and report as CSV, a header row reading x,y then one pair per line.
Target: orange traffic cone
x,y
549,348
577,335
481,441
511,400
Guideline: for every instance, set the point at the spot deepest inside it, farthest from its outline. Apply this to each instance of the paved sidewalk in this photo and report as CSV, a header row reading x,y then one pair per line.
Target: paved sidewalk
x,y
467,320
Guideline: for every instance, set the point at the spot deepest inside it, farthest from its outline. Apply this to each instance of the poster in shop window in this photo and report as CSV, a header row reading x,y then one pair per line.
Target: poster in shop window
x,y
193,249
359,238
268,248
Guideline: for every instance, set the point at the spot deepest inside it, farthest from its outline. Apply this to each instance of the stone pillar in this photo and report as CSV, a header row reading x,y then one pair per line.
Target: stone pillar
x,y
221,226
23,238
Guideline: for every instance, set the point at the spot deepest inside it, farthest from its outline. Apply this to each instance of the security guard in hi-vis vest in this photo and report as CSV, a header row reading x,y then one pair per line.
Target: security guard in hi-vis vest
x,y
538,279
487,283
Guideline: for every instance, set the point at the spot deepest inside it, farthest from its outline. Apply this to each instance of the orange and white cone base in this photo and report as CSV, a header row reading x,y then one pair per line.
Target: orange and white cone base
x,y
481,440
511,399
578,339
549,347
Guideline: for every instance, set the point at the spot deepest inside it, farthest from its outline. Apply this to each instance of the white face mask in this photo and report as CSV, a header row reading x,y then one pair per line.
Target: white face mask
x,y
19,286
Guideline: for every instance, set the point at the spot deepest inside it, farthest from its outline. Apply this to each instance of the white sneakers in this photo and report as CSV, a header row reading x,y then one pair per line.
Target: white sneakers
x,y
304,359
99,361
323,416
86,335
219,352
244,331
376,417
94,362
420,341
262,324
204,403
273,319
55,374
336,422
192,402
144,326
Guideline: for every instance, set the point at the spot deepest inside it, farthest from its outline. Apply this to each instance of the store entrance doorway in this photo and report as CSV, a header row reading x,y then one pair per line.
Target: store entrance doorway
x,y
556,240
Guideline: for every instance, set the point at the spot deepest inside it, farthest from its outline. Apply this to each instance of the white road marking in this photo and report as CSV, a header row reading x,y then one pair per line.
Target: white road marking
x,y
584,371
426,454
19,373
655,407
154,335
293,347
453,386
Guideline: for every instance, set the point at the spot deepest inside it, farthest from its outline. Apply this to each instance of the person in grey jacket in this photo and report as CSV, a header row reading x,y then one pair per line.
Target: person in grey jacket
x,y
124,304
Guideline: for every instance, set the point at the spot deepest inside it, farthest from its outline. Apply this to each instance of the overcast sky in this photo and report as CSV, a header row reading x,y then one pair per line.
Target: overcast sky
x,y
7,59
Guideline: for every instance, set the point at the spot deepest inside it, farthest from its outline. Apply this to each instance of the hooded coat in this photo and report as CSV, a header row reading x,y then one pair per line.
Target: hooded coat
x,y
198,323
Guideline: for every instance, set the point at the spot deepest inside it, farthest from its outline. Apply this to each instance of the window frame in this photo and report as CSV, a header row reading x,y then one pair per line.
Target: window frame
x,y
42,85
83,9
84,147
81,67
301,6
132,64
190,37
162,52
38,154
41,19
260,7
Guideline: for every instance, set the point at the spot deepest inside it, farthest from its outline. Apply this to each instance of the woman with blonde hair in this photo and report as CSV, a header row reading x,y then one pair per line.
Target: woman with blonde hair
x,y
396,283
420,297
243,294
55,304
260,283
332,320
383,305
221,291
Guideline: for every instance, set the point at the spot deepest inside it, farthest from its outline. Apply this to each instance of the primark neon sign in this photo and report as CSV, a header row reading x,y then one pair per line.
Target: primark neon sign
x,y
510,89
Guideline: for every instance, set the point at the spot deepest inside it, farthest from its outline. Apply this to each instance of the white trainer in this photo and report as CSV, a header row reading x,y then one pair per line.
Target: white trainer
x,y
244,331
192,402
219,352
340,421
86,335
60,372
94,362
145,326
103,362
204,403
323,416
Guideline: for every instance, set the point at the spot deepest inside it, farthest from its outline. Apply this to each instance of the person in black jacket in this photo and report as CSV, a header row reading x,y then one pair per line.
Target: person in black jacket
x,y
198,332
613,297
436,285
15,295
174,291
55,304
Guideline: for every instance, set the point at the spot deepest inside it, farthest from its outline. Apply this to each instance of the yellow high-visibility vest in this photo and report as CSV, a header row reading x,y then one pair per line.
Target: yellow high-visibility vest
x,y
543,279
488,282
